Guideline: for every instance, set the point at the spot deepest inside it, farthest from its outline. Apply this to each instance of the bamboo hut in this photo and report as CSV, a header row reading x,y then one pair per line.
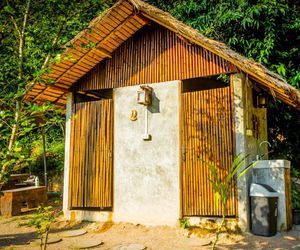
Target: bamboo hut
x,y
146,110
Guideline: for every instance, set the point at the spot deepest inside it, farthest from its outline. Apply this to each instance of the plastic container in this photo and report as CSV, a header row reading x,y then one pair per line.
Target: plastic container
x,y
264,209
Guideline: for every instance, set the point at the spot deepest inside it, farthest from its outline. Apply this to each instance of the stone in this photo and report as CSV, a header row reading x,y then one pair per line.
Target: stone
x,y
133,246
51,240
83,244
289,237
297,247
35,243
72,233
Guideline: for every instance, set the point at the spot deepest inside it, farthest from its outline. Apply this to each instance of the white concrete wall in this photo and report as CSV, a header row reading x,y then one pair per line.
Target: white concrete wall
x,y
146,173
245,142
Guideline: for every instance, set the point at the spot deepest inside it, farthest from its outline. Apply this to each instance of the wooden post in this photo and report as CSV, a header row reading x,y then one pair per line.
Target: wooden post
x,y
237,82
67,154
44,155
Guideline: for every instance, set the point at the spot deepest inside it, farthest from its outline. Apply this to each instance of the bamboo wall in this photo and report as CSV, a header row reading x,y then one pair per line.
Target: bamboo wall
x,y
288,199
153,54
206,137
91,149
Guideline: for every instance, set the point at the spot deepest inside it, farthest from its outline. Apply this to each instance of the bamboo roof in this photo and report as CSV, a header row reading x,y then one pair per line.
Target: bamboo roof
x,y
114,26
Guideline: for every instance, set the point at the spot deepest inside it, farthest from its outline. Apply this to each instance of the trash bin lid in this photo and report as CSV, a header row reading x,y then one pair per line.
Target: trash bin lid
x,y
262,190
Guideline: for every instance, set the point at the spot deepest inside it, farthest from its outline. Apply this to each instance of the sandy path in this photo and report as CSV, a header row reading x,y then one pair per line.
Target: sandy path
x,y
13,236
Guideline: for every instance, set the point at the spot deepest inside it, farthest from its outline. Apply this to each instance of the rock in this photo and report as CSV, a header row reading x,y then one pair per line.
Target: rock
x,y
289,237
51,240
297,247
72,233
83,244
35,243
131,247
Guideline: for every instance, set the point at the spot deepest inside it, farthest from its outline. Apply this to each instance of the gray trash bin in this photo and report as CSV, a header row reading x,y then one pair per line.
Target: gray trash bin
x,y
264,208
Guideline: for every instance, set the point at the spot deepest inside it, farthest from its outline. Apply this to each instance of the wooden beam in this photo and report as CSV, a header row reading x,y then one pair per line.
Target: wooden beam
x,y
50,87
97,46
58,88
103,51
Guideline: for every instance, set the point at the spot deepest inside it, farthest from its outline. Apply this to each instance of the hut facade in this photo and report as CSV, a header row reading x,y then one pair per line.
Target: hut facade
x,y
146,110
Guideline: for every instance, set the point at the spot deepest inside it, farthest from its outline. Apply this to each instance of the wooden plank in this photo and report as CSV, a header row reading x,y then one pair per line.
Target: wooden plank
x,y
90,158
165,57
205,136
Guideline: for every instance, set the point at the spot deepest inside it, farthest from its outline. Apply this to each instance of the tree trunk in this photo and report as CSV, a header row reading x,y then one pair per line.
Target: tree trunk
x,y
12,140
46,240
15,128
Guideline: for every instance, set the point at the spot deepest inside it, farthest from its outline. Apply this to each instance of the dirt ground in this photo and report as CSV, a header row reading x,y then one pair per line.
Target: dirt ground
x,y
14,236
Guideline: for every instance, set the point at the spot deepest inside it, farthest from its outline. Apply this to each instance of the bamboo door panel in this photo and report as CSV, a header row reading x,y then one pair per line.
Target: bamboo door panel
x,y
91,162
207,137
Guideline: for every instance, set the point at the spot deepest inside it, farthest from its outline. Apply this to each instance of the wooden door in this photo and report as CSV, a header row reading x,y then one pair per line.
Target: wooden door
x,y
206,136
91,161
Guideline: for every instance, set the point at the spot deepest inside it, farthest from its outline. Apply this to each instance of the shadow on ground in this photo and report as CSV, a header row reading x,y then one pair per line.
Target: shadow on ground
x,y
17,239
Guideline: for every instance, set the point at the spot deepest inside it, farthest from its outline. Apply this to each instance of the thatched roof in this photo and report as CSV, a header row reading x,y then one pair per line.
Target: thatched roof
x,y
131,15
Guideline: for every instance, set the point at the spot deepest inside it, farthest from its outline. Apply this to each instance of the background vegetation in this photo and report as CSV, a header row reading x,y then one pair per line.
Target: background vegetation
x,y
266,30
32,35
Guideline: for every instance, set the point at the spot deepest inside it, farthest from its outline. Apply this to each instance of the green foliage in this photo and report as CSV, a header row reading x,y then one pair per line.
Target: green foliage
x,y
42,220
284,133
184,223
267,31
54,152
33,35
295,173
20,157
223,186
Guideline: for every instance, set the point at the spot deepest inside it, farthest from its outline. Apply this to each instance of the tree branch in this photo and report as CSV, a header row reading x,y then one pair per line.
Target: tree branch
x,y
21,41
15,25
2,120
54,43
14,21
47,58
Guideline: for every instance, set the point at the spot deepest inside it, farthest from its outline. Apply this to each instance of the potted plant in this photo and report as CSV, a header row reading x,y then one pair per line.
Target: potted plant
x,y
295,173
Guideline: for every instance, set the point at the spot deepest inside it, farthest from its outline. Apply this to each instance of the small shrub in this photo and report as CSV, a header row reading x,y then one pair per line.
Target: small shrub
x,y
222,186
184,223
42,220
